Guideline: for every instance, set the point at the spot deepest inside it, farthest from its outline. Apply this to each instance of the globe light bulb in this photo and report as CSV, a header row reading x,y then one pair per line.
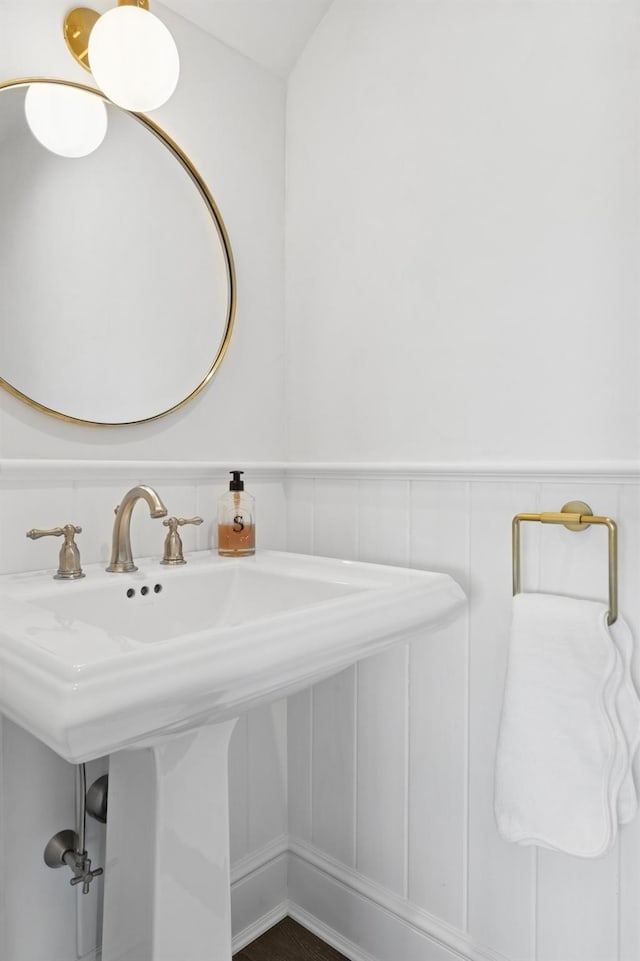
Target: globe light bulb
x,y
133,58
67,121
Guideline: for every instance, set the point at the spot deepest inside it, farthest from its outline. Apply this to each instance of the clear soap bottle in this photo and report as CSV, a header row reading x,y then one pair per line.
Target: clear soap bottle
x,y
236,520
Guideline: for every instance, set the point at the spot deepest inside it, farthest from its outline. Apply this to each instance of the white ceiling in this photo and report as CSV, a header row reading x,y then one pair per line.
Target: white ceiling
x,y
271,32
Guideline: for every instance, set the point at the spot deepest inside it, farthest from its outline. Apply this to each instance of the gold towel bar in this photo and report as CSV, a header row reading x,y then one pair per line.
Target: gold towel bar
x,y
576,516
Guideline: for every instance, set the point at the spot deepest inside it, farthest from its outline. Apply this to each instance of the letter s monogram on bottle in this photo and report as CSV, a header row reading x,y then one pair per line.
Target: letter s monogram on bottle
x,y
238,523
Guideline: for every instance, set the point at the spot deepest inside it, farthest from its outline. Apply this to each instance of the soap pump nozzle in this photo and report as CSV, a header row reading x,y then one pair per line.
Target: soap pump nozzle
x,y
236,484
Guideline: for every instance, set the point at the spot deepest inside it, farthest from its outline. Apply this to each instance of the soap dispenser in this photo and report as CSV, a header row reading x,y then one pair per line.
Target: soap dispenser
x,y
236,520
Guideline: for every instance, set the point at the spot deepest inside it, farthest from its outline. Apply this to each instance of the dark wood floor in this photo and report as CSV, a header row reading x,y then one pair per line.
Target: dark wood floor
x,y
288,941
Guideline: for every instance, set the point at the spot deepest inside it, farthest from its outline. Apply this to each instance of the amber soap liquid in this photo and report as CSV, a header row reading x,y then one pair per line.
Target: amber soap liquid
x,y
233,541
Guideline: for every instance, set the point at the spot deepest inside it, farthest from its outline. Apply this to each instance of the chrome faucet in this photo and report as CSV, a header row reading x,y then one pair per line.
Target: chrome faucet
x,y
121,559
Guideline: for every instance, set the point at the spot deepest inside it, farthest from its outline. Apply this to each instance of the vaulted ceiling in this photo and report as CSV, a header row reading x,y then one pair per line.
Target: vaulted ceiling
x,y
271,32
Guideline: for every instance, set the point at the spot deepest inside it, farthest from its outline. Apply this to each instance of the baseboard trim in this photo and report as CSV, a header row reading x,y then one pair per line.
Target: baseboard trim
x,y
257,860
301,881
260,926
327,934
315,873
259,891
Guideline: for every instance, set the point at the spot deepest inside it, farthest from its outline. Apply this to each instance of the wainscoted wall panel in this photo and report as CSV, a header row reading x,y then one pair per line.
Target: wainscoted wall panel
x,y
300,526
384,535
500,879
391,763
239,790
336,518
438,722
299,748
382,747
36,803
28,505
577,915
383,775
629,578
437,774
266,761
333,774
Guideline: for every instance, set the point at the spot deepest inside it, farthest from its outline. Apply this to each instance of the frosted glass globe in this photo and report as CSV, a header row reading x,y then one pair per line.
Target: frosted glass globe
x,y
67,121
133,58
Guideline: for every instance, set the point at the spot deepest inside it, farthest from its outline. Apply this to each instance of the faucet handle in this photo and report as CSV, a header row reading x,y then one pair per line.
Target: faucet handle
x,y
181,521
69,568
173,542
34,533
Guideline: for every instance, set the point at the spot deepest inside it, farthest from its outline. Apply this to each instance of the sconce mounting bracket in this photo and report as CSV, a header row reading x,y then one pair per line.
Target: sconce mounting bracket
x,y
79,23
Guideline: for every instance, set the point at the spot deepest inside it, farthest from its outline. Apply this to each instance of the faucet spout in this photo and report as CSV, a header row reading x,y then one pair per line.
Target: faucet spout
x,y
121,557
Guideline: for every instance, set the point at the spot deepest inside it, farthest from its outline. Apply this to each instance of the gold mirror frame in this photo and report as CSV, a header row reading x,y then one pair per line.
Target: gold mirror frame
x,y
209,202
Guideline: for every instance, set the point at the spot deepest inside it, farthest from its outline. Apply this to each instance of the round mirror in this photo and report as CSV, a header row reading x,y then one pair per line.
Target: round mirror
x,y
117,286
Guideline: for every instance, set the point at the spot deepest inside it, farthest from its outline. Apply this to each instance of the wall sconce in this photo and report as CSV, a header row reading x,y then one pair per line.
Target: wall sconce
x,y
65,120
129,51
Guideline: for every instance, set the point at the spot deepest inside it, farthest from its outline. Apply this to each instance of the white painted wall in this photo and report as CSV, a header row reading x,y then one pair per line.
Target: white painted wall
x,y
462,232
462,256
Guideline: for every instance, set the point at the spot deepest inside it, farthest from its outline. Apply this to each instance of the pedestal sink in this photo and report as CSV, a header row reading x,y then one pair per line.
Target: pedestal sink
x,y
153,668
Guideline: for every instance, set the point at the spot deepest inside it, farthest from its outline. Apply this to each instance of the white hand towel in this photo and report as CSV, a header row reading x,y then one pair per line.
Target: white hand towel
x,y
568,728
627,707
620,766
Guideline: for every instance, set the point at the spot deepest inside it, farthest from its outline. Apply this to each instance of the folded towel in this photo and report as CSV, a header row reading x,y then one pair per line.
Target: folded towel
x,y
627,708
569,729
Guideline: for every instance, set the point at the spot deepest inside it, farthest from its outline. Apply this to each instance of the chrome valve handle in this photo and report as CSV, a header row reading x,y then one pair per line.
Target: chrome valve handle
x,y
62,849
84,875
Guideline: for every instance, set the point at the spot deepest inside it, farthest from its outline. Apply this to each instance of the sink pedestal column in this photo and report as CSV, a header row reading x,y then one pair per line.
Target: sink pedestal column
x,y
167,886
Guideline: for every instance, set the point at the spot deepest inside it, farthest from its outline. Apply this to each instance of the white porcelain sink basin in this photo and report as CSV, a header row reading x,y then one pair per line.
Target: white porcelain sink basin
x,y
153,669
117,660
